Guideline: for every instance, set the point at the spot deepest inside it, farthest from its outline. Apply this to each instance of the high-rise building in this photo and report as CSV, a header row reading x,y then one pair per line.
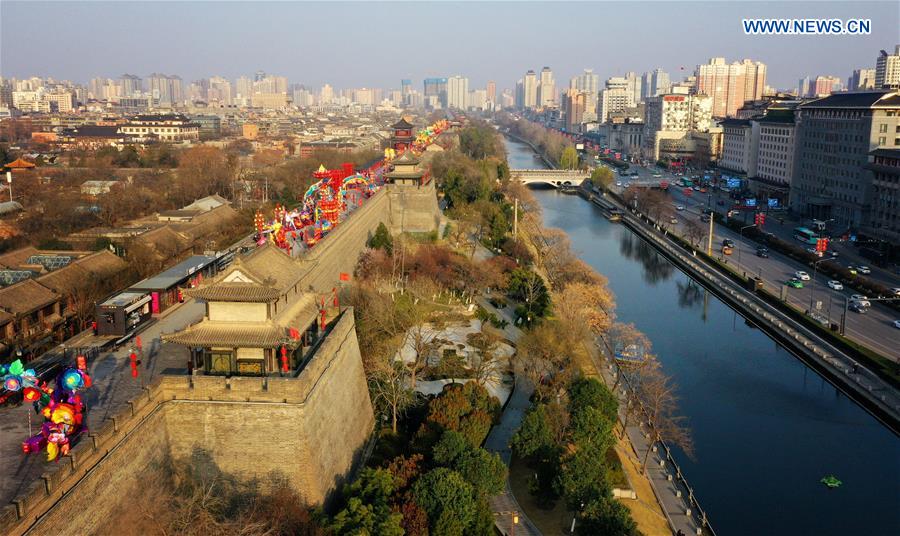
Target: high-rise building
x,y
326,96
131,85
654,83
861,80
730,85
436,87
457,92
672,117
615,97
546,89
825,85
405,86
574,102
803,87
633,86
491,91
530,90
588,83
887,69
835,136
168,89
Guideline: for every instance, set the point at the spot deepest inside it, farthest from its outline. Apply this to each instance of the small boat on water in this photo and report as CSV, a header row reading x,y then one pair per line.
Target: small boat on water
x,y
614,215
568,189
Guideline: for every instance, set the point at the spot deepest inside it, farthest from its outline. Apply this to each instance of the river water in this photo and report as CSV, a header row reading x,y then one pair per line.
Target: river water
x,y
766,428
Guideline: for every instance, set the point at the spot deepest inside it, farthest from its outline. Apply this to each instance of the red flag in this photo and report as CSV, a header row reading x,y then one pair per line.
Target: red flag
x,y
345,276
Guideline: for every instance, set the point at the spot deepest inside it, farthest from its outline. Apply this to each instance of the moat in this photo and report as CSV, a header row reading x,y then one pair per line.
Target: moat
x,y
766,427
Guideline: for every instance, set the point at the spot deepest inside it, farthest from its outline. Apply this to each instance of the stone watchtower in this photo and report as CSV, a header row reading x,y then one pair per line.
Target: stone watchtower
x,y
402,136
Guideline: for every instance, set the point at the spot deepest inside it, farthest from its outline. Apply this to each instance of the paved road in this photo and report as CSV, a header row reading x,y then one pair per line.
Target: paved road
x,y
874,329
112,387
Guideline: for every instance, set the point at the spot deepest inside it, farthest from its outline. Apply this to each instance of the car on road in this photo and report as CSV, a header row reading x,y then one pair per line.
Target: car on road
x,y
618,183
801,275
861,299
763,252
704,218
851,269
858,308
794,282
673,220
835,285
864,270
679,207
728,243
895,291
814,251
897,323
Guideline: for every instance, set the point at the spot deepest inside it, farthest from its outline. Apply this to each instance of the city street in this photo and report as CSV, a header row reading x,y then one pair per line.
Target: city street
x,y
112,386
874,329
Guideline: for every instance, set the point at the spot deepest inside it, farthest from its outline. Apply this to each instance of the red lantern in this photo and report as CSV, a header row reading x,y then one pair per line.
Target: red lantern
x,y
81,362
284,359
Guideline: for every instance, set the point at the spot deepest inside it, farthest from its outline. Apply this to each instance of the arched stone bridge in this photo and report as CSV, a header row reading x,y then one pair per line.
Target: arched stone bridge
x,y
552,177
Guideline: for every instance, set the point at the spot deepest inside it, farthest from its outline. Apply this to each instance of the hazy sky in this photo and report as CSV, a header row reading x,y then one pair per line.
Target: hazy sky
x,y
378,43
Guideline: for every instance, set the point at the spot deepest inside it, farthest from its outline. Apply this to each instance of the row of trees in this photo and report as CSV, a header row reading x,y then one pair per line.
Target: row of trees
x,y
566,441
550,143
441,482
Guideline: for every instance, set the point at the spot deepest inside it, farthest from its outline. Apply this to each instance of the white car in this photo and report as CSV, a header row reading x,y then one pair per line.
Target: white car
x,y
897,323
618,183
895,291
864,269
801,275
835,285
679,207
861,300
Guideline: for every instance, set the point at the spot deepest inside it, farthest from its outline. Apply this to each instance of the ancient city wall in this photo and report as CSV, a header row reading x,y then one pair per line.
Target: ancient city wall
x,y
311,430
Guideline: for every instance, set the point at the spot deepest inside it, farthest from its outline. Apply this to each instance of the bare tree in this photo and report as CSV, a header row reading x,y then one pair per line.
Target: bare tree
x,y
484,364
586,307
656,393
694,232
387,383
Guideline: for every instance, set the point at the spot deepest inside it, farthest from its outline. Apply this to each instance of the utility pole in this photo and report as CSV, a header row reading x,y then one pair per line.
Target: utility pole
x,y
515,219
9,181
709,242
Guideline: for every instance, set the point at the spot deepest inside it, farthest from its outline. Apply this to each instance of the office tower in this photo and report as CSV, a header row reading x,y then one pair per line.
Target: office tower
x,y
803,87
546,89
519,97
836,136
436,87
492,92
219,90
633,86
574,102
861,80
730,85
615,97
654,83
405,86
168,89
887,69
457,92
529,88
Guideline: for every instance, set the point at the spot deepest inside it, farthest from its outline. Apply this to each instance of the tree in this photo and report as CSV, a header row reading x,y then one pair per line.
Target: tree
x,y
484,364
368,510
448,500
589,306
387,383
527,286
485,471
656,393
694,232
606,516
602,177
382,239
569,158
468,409
582,477
544,354
591,393
541,432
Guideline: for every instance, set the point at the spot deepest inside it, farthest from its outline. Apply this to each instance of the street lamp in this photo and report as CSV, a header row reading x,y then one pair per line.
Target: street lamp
x,y
812,284
741,235
9,181
515,521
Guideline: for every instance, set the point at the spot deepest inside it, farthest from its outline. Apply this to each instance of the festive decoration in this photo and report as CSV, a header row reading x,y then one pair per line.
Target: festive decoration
x,y
63,411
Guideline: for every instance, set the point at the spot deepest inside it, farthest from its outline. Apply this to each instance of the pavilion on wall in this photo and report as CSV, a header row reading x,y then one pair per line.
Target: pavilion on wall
x,y
402,136
406,170
258,321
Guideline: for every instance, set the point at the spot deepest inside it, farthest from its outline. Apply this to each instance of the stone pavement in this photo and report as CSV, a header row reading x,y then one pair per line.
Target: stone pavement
x,y
112,387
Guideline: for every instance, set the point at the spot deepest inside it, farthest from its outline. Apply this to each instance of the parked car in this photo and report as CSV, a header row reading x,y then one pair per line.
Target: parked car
x,y
794,282
835,285
864,270
763,252
801,275
858,308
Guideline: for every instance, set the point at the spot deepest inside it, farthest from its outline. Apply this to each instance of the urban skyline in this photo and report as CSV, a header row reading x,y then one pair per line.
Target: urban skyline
x,y
352,61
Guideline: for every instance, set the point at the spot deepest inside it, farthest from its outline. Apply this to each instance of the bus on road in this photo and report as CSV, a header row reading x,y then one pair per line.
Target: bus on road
x,y
805,235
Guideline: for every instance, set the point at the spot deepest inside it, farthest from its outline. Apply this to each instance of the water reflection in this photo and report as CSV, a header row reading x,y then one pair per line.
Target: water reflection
x,y
690,294
655,267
